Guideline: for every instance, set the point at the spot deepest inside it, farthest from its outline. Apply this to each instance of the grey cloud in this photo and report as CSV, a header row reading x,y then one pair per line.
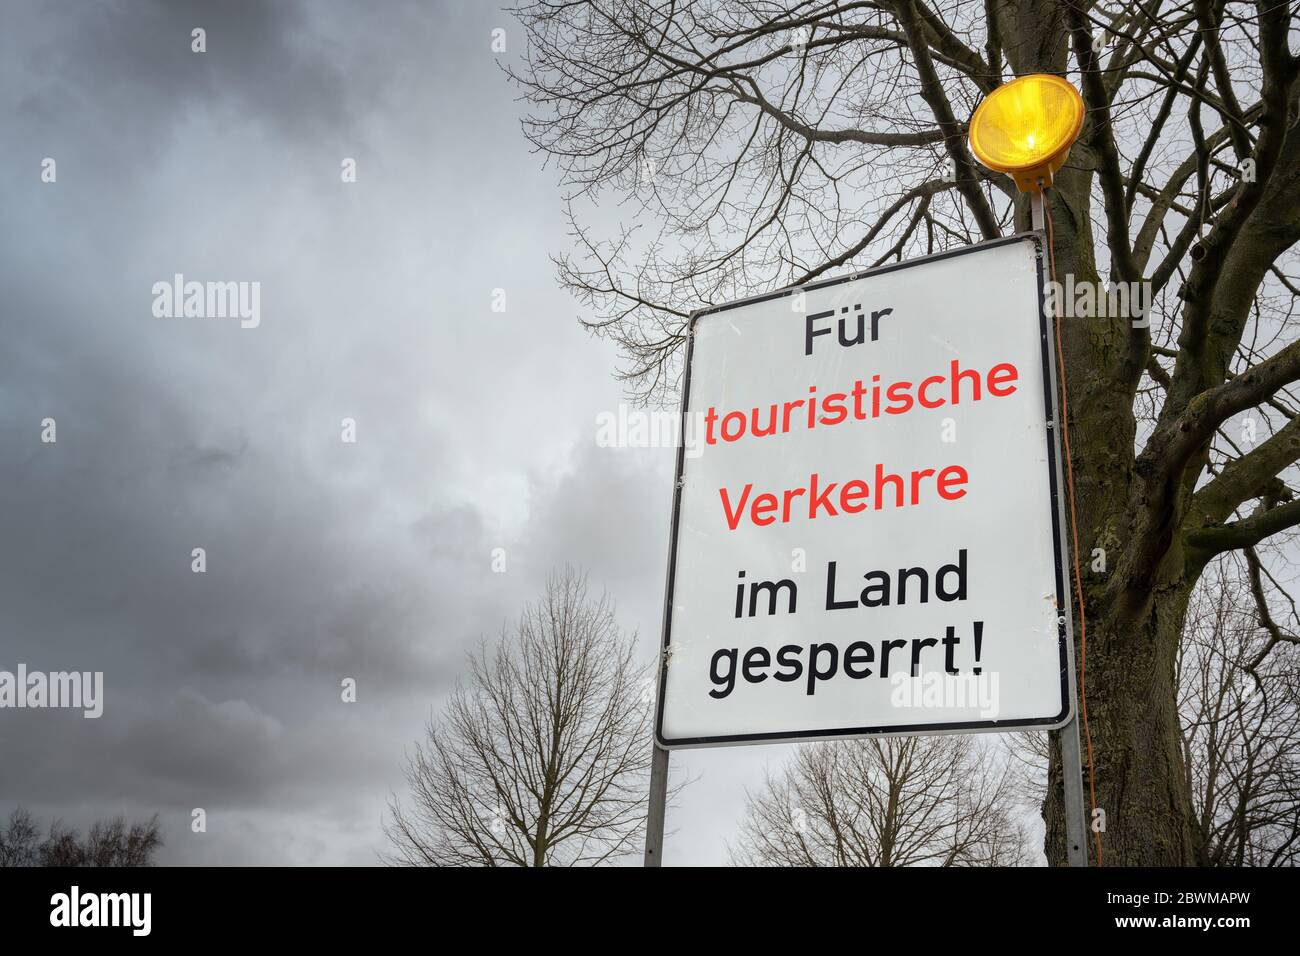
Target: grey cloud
x,y
325,560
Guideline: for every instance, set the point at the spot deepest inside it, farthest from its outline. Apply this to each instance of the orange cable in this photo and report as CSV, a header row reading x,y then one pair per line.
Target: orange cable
x,y
1074,533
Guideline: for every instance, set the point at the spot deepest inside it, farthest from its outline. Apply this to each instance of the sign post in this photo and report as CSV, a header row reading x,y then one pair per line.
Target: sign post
x,y
654,823
1068,736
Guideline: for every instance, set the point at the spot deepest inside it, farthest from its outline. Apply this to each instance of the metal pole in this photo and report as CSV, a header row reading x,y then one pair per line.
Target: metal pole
x,y
654,822
1076,850
1037,222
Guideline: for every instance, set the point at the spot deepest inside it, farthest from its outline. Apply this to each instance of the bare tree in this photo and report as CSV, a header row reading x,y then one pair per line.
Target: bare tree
x,y
108,843
900,801
761,144
542,756
20,840
1240,711
1028,755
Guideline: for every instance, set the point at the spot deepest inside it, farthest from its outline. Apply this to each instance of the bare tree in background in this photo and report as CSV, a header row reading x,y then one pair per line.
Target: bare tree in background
x,y
1239,714
898,801
542,756
1240,711
108,843
756,144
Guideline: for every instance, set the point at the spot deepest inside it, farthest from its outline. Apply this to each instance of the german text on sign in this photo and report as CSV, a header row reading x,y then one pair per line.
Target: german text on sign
x,y
866,533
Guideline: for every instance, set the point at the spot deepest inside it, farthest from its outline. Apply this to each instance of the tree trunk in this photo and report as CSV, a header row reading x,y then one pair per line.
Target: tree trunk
x,y
1132,638
1141,782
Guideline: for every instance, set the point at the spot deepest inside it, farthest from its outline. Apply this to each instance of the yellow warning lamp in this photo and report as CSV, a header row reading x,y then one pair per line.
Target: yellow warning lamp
x,y
1025,128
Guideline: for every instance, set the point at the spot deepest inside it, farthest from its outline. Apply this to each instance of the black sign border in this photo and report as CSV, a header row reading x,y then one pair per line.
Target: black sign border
x,y
1063,602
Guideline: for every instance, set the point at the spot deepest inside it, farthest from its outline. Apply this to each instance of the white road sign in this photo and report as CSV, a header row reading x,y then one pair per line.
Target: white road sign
x,y
866,531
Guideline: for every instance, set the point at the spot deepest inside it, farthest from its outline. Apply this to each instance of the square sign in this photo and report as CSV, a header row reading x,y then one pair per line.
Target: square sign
x,y
866,529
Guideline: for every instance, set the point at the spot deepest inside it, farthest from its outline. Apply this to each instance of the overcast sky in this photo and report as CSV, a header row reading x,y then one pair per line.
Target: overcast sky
x,y
475,429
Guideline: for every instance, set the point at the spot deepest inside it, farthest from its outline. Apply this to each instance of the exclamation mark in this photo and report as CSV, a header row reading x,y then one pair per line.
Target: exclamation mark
x,y
979,645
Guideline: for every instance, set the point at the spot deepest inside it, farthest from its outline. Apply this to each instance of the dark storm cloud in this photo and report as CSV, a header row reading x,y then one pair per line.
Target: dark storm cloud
x,y
129,66
325,560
